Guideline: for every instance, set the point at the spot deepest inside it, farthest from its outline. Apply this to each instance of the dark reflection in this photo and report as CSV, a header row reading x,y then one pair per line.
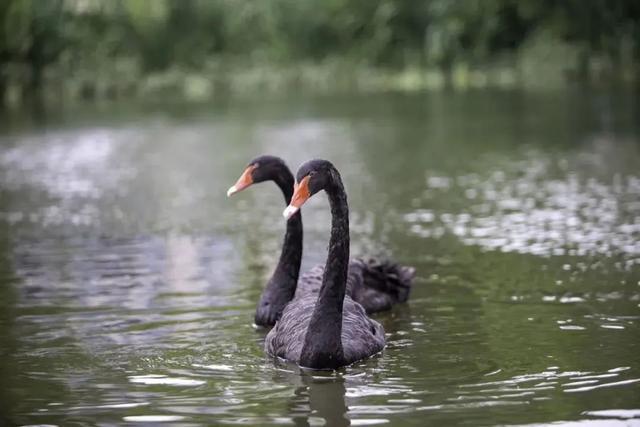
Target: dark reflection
x,y
316,395
327,400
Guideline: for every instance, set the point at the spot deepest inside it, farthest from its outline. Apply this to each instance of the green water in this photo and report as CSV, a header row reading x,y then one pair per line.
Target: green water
x,y
128,280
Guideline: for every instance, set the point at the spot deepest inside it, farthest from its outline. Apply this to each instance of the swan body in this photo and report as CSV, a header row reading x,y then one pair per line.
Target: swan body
x,y
361,337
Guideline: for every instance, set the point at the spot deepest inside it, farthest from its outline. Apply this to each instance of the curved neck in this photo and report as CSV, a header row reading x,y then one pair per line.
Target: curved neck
x,y
323,341
334,280
285,276
284,180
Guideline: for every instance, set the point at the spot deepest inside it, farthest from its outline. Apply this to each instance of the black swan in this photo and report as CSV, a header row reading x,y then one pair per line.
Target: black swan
x,y
330,330
376,285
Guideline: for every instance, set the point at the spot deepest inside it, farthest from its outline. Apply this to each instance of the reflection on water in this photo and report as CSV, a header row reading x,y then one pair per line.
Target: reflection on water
x,y
129,279
537,206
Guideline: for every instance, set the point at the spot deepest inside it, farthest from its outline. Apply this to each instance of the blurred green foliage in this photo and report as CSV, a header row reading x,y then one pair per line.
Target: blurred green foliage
x,y
112,48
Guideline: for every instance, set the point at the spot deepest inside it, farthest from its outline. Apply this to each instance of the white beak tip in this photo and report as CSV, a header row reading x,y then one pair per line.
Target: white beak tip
x,y
290,211
231,191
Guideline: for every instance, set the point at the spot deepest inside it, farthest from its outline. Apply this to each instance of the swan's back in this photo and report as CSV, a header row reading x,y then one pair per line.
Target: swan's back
x,y
375,285
361,336
310,282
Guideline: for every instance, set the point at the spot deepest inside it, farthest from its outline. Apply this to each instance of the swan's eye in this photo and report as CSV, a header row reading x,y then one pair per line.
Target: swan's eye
x,y
312,173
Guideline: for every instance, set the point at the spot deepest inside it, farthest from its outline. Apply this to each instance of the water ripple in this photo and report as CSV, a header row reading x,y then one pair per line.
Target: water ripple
x,y
522,209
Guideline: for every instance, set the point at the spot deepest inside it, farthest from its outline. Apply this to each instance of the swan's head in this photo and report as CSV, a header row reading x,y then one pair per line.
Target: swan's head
x,y
312,177
260,169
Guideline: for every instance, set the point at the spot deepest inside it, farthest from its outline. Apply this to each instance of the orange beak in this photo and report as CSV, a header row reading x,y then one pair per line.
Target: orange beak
x,y
301,194
243,182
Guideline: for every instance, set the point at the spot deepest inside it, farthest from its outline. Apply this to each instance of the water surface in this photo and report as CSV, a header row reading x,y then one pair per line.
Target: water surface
x,y
128,280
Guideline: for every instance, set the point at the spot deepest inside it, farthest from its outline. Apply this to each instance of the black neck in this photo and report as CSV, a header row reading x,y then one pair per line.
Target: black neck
x,y
285,276
323,342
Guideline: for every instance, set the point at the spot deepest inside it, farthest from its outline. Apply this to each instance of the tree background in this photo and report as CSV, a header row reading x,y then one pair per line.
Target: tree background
x,y
87,49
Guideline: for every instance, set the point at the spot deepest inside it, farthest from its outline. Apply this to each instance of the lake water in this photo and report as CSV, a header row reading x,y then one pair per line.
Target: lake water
x,y
128,280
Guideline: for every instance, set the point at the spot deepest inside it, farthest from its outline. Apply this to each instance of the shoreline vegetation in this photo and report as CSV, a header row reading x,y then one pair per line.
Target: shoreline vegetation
x,y
195,50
